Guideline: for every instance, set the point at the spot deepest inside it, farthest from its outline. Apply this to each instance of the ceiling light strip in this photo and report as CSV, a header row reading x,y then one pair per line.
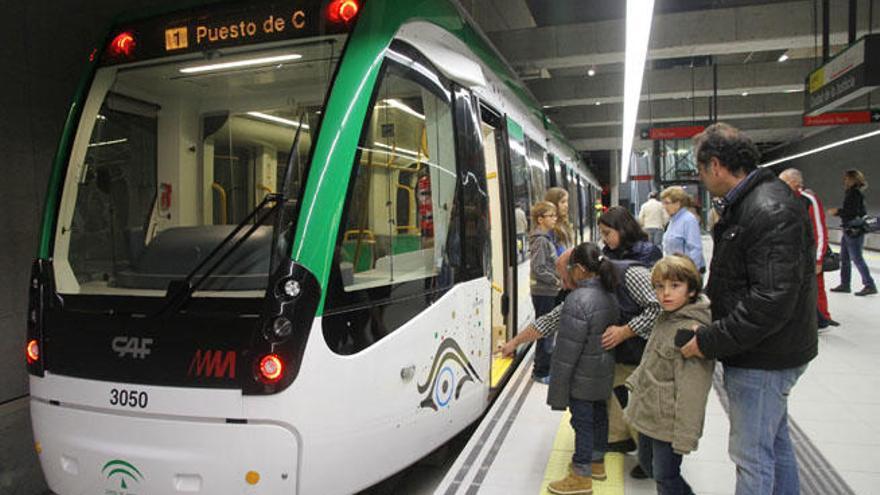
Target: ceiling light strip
x,y
639,14
822,148
241,63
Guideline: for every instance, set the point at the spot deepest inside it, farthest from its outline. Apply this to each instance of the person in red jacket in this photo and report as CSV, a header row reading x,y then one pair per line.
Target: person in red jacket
x,y
795,181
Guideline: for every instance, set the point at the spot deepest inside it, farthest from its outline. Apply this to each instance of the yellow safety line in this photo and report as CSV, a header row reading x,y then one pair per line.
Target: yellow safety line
x,y
560,457
499,367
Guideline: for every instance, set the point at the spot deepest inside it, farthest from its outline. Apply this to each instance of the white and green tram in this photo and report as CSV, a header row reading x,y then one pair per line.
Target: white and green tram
x,y
280,244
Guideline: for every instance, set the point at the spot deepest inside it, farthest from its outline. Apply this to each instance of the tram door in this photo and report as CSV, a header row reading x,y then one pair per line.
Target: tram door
x,y
503,316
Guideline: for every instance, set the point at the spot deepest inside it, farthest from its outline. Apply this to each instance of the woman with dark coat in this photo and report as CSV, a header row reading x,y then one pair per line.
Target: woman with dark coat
x,y
853,238
624,238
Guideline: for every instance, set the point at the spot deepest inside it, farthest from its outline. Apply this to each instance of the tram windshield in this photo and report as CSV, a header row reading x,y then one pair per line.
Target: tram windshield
x,y
170,155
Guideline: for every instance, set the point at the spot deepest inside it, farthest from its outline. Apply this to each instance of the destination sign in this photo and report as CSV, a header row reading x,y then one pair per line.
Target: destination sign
x,y
850,74
202,30
674,132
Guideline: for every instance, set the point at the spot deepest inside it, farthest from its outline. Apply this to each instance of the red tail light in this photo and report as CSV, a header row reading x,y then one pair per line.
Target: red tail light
x,y
342,10
271,368
33,351
123,45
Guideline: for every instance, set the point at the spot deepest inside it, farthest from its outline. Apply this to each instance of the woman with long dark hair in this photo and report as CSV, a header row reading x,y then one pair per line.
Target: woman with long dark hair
x,y
624,238
853,239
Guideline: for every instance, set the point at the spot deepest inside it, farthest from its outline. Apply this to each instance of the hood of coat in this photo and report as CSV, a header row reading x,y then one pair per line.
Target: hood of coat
x,y
698,311
536,234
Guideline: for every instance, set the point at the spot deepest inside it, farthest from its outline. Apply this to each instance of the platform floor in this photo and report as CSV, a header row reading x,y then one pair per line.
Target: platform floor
x,y
834,409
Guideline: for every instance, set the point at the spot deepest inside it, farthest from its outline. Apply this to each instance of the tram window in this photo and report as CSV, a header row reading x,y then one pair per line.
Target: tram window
x,y
400,223
537,170
165,165
519,172
119,170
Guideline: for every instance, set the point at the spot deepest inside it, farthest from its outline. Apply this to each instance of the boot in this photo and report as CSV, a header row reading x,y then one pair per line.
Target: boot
x,y
598,470
573,484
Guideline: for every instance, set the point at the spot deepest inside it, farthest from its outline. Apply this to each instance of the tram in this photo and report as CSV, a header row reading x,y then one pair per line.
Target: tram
x,y
280,243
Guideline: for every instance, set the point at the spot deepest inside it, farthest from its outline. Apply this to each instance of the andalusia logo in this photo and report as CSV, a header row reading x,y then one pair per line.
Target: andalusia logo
x,y
123,471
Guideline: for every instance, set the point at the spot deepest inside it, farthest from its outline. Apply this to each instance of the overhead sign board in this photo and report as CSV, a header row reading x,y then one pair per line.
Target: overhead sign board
x,y
850,74
843,118
678,132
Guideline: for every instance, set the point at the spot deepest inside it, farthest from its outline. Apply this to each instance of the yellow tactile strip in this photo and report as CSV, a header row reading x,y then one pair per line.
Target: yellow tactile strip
x,y
499,368
560,457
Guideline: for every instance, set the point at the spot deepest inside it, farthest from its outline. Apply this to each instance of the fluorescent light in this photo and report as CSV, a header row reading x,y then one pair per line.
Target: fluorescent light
x,y
402,107
108,143
745,93
798,90
402,151
598,103
240,63
591,72
278,120
823,148
639,14
783,57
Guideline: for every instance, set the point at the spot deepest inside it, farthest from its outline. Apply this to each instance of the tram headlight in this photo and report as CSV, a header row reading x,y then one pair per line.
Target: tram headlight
x,y
292,288
282,327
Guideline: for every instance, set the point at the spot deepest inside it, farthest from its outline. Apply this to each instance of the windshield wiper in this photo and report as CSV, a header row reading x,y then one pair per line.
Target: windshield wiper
x,y
180,291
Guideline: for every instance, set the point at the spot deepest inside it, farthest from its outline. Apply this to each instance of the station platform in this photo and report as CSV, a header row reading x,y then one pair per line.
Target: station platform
x,y
834,414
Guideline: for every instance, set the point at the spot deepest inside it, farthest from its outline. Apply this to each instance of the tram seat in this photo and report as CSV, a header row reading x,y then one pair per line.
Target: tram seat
x,y
176,251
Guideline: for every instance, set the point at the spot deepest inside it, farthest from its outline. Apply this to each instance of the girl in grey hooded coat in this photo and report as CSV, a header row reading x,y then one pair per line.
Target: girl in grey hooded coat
x,y
582,372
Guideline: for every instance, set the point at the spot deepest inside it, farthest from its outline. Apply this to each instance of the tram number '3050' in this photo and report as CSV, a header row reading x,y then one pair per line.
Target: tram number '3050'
x,y
128,398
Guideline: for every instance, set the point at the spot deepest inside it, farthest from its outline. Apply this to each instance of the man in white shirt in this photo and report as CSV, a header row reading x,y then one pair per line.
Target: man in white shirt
x,y
653,218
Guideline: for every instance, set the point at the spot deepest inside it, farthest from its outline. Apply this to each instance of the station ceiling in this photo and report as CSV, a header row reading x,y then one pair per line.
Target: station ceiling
x,y
553,44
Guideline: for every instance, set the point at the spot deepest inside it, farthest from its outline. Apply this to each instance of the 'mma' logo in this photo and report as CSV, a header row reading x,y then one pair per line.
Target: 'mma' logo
x,y
124,472
212,364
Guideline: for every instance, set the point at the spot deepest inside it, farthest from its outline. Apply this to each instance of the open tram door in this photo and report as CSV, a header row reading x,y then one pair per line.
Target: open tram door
x,y
500,223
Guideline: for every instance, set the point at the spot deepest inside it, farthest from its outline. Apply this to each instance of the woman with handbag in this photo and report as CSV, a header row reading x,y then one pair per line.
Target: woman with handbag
x,y
852,218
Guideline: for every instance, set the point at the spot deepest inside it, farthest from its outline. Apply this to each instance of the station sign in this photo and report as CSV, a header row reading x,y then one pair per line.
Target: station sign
x,y
843,118
850,74
675,132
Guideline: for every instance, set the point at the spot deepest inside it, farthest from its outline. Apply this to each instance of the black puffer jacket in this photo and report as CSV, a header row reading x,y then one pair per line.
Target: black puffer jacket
x,y
580,367
762,280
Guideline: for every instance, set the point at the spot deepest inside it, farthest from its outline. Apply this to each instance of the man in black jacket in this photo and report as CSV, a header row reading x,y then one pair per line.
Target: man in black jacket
x,y
763,294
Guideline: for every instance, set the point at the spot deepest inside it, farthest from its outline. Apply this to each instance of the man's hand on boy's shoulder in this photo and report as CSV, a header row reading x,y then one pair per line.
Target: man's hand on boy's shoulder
x,y
692,349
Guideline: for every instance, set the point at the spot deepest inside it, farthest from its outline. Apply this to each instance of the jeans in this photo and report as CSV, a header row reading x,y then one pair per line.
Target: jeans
x,y
543,347
646,454
760,444
666,466
851,249
655,236
589,418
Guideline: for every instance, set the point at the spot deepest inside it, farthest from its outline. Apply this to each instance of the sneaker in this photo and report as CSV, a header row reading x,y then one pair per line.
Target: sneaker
x,y
573,484
542,379
622,446
639,473
866,291
840,288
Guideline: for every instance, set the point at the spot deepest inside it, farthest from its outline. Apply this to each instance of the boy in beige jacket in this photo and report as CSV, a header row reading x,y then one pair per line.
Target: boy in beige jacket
x,y
668,402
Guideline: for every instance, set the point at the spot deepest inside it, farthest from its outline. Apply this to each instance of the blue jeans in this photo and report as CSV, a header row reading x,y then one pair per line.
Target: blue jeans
x,y
589,418
646,454
760,445
851,249
666,466
543,347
